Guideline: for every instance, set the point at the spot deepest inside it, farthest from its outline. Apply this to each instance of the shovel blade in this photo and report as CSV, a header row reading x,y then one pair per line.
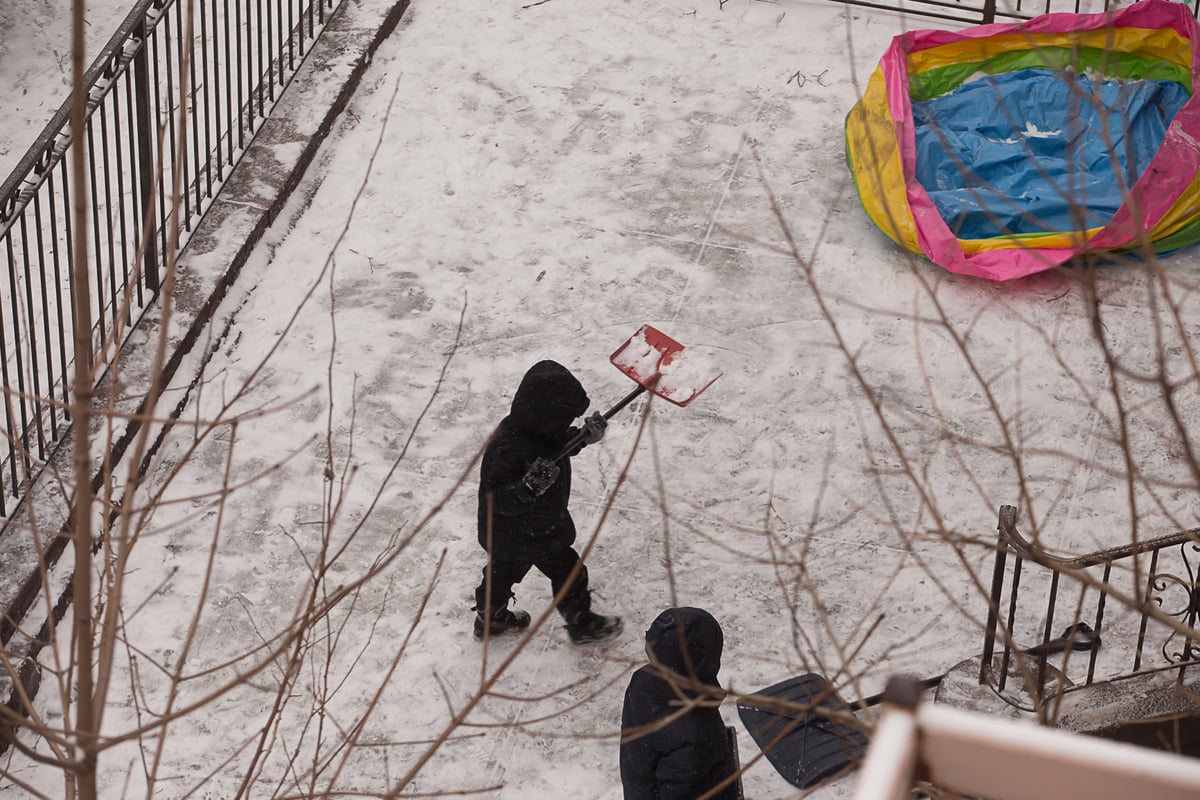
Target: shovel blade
x,y
658,363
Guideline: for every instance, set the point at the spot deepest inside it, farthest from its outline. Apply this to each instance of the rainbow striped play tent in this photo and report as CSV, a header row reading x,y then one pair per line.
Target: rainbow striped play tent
x,y
1003,150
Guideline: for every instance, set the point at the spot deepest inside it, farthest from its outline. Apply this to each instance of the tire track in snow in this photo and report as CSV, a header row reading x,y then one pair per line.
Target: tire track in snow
x,y
712,218
504,746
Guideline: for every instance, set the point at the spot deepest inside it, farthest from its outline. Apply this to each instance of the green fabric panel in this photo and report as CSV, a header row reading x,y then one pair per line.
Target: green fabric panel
x,y
1187,235
1127,66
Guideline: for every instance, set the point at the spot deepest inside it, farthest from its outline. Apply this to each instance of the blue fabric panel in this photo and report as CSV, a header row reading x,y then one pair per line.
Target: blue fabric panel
x,y
1029,151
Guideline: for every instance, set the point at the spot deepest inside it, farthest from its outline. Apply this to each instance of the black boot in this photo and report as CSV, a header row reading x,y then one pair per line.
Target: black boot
x,y
587,627
503,621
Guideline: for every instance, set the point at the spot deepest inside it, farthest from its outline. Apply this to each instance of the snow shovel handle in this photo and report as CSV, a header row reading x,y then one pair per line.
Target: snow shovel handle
x,y
577,438
626,400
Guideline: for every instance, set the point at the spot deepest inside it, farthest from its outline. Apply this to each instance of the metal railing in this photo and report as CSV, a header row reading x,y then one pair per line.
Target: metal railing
x,y
1154,624
985,12
226,62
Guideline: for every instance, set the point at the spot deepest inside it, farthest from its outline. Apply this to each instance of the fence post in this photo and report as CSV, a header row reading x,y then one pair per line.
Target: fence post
x,y
146,164
993,614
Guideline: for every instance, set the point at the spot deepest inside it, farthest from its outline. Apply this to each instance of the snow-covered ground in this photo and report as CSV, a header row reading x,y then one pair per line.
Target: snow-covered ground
x,y
35,64
515,182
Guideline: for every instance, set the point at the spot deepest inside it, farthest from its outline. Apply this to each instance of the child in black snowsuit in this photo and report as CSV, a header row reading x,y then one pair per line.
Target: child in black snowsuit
x,y
670,751
524,488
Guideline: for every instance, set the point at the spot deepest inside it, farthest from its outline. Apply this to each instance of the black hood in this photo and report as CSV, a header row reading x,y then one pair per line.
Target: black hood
x,y
687,641
548,400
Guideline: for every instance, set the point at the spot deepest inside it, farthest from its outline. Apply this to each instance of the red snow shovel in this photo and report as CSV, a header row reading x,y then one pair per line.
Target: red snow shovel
x,y
657,363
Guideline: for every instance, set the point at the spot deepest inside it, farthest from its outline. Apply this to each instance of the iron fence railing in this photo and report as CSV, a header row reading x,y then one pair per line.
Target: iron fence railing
x,y
983,12
226,62
1152,628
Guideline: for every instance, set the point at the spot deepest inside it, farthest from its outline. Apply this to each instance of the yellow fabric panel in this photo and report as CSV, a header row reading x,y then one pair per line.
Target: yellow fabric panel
x,y
1182,212
875,154
1052,241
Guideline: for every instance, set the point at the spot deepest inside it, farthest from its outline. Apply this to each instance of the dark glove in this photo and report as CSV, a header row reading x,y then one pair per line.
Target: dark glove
x,y
594,427
540,476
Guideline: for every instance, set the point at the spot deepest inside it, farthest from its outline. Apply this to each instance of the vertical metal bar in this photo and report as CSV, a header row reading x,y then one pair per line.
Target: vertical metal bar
x,y
159,118
1099,626
1141,641
993,614
115,289
167,118
22,438
96,248
274,48
261,32
989,11
207,77
175,79
119,139
292,34
47,333
242,102
183,146
228,75
219,70
139,152
10,422
275,63
34,401
196,144
1039,692
262,38
162,165
1012,615
68,238
59,288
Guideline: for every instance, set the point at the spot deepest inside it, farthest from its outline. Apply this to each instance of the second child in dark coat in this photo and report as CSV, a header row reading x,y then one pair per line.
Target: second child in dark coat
x,y
524,490
674,743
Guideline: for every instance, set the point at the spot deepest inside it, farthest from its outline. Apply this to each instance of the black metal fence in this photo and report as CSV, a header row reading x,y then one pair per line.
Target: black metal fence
x,y
983,12
225,62
1153,627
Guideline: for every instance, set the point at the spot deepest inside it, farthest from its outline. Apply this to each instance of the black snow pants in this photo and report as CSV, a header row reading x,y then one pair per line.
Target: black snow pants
x,y
555,565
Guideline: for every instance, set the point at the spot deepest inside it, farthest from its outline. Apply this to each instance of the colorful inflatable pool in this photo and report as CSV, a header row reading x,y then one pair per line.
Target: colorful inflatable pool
x,y
1003,150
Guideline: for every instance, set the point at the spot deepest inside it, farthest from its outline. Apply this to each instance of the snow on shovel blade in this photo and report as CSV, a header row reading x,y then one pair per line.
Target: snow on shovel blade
x,y
657,362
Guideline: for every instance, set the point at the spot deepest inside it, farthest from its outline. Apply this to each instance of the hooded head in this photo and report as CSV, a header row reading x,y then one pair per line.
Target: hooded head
x,y
687,641
548,400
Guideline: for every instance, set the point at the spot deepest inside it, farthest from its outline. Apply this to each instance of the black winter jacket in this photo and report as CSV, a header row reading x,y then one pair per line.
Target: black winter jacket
x,y
691,754
538,425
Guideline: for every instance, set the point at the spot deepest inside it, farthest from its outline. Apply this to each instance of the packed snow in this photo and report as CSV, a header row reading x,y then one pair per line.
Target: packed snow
x,y
683,376
638,359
